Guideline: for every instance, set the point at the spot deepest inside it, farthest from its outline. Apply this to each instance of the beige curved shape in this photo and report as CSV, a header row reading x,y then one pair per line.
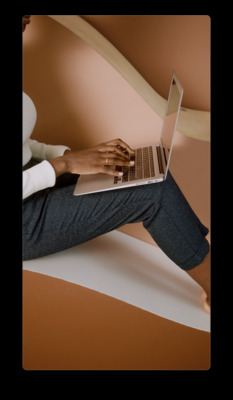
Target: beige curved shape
x,y
193,123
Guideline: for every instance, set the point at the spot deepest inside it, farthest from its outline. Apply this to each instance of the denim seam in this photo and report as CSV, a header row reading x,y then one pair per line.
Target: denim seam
x,y
194,255
195,251
177,227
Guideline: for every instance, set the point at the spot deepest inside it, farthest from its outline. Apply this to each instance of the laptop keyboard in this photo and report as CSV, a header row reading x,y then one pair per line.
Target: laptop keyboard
x,y
143,168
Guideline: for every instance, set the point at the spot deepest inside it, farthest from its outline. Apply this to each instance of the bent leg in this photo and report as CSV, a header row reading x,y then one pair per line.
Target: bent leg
x,y
176,228
54,220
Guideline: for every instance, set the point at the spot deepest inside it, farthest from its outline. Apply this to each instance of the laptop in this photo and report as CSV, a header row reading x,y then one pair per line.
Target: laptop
x,y
151,161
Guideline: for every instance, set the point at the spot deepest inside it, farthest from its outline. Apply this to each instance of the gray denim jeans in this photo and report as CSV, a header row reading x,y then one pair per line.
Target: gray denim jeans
x,y
54,219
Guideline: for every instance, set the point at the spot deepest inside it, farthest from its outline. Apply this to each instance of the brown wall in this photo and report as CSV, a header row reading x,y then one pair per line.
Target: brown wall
x,y
82,101
157,44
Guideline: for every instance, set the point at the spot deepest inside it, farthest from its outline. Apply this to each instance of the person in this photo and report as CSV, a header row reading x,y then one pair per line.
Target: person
x,y
54,219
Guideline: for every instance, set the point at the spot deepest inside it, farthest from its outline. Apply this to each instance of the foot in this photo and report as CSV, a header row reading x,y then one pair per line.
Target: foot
x,y
201,274
206,304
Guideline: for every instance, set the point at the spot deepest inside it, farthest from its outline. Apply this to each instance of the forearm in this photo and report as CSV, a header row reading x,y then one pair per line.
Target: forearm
x,y
59,165
102,158
38,177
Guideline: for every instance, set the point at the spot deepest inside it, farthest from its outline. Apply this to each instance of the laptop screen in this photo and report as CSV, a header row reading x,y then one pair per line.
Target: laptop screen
x,y
171,118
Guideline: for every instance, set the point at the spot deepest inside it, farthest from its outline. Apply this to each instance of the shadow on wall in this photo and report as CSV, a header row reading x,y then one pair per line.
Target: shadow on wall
x,y
45,81
79,97
157,44
82,101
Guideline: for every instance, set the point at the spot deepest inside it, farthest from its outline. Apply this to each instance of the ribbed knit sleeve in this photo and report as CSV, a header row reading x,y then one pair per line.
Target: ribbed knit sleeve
x,y
41,175
42,151
37,178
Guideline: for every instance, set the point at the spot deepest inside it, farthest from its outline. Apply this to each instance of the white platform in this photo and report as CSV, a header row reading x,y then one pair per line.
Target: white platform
x,y
130,270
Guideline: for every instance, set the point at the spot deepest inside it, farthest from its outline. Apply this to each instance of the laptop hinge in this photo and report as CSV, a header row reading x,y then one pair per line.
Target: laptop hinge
x,y
165,156
160,161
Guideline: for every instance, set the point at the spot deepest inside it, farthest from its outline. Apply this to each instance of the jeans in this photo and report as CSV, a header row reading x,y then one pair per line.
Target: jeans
x,y
54,219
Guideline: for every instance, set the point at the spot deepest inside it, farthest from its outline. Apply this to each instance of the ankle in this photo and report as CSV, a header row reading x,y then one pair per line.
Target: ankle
x,y
201,274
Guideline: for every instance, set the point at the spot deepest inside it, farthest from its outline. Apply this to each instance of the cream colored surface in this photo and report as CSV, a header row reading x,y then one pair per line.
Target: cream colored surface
x,y
69,327
129,270
158,44
192,123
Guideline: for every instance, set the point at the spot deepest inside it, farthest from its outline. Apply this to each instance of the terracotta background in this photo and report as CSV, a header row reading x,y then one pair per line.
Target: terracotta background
x,y
81,101
157,44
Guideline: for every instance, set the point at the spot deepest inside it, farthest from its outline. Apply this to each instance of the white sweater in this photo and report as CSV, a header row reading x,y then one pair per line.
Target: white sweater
x,y
41,175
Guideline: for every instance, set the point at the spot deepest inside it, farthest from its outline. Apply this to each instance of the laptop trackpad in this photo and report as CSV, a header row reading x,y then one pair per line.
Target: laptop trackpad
x,y
93,183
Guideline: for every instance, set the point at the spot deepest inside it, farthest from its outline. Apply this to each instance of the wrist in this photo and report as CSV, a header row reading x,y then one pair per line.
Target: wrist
x,y
59,165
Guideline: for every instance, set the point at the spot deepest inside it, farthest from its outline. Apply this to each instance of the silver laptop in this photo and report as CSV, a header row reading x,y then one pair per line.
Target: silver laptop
x,y
151,162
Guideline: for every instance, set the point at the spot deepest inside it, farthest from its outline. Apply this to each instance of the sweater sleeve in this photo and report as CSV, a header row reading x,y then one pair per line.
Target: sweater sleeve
x,y
37,178
41,175
42,151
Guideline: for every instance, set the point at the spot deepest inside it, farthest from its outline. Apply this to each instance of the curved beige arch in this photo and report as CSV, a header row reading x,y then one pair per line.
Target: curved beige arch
x,y
193,123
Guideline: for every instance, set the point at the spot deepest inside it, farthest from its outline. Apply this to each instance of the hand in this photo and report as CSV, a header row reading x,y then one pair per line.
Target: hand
x,y
100,159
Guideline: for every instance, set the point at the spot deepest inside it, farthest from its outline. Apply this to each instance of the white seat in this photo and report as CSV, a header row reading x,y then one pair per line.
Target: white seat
x,y
130,270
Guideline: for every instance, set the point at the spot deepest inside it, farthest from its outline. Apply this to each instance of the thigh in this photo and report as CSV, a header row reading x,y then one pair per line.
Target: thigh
x,y
55,219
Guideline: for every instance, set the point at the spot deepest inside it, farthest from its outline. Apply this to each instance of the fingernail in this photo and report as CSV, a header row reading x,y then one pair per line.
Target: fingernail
x,y
132,162
120,173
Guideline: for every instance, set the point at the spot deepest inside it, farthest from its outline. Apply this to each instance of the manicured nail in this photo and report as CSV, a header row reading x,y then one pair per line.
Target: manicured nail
x,y
120,173
132,162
